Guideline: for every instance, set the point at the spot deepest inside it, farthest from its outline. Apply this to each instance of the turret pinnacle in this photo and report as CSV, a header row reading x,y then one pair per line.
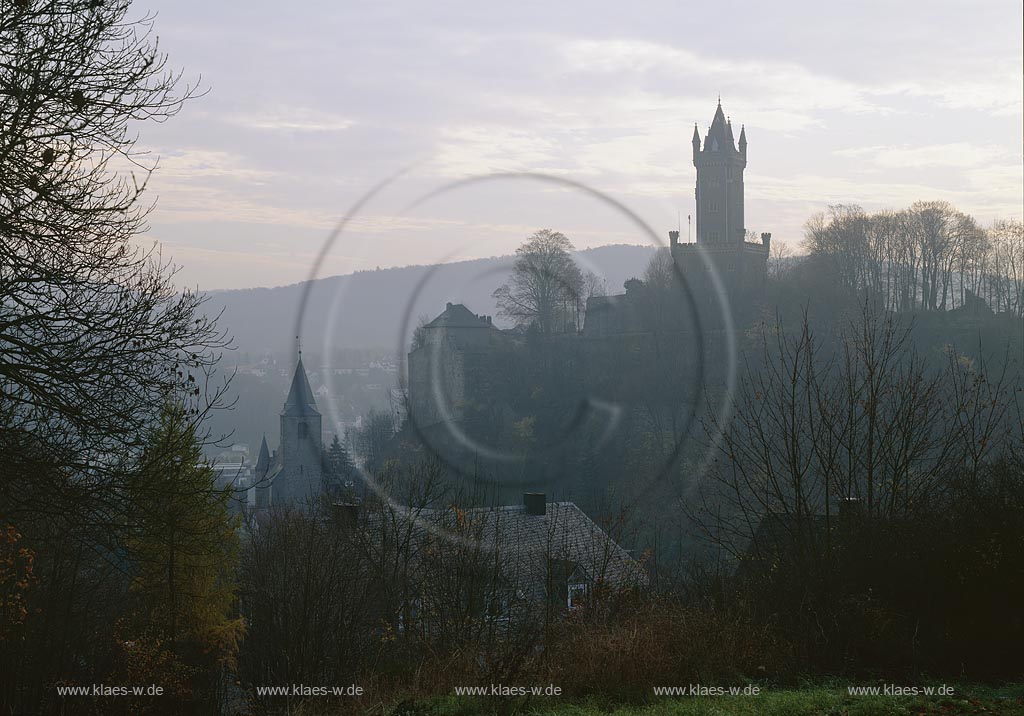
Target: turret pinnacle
x,y
743,139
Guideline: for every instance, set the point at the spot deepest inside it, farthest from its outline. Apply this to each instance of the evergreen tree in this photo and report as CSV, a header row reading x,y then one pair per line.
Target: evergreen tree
x,y
183,551
339,469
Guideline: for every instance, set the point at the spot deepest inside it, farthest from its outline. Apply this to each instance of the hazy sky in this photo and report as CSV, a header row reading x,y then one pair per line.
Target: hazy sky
x,y
312,103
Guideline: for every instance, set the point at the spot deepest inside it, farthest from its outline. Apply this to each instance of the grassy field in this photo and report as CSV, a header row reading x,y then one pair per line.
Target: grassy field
x,y
817,701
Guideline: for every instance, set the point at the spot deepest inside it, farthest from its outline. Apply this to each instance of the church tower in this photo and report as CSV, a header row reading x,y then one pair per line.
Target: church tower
x,y
298,477
719,192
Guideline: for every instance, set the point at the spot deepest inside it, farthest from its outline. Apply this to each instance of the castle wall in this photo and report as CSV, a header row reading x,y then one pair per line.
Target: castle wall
x,y
437,381
742,270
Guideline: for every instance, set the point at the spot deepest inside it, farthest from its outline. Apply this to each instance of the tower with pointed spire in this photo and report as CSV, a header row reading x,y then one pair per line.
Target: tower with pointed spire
x,y
741,266
297,475
719,191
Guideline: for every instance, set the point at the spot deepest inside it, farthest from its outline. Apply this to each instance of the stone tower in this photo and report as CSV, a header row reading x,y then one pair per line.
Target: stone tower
x,y
298,475
719,192
723,269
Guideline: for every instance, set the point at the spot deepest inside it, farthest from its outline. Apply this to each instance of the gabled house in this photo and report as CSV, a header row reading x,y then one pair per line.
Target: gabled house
x,y
505,565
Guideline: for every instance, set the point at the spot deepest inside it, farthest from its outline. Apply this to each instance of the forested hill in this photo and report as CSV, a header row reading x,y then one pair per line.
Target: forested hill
x,y
370,305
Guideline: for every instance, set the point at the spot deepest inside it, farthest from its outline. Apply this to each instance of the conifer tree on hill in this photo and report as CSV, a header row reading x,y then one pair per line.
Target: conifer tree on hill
x,y
182,553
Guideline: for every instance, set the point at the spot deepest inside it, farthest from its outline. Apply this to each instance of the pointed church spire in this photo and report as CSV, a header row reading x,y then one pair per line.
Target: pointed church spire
x,y
263,461
743,139
300,397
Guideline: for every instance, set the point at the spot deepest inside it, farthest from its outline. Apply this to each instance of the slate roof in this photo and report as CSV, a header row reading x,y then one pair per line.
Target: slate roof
x,y
300,399
525,542
456,315
719,136
263,461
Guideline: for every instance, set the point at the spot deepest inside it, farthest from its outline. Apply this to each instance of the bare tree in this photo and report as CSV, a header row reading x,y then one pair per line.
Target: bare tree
x,y
929,257
545,287
591,285
660,273
778,265
1006,243
372,438
94,335
867,420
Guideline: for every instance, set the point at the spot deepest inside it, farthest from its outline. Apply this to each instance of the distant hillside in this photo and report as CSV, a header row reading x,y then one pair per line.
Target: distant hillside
x,y
371,304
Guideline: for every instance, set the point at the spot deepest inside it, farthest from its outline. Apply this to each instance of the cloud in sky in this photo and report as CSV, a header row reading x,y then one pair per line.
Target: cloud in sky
x,y
958,155
877,103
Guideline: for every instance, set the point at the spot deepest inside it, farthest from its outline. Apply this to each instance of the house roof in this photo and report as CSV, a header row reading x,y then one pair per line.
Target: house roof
x,y
526,543
457,315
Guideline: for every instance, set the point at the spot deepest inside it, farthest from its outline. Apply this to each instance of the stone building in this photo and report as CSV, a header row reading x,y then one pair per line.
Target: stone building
x,y
450,364
722,247
293,474
527,558
459,355
722,271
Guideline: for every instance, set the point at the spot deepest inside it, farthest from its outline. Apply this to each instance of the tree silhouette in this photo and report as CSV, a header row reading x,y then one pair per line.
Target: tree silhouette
x,y
546,285
184,550
94,335
340,471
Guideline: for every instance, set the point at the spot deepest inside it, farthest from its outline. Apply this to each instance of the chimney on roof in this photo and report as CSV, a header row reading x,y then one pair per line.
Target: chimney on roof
x,y
449,306
535,503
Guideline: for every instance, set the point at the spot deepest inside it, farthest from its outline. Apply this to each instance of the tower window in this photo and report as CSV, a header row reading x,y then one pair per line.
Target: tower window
x,y
713,207
303,430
